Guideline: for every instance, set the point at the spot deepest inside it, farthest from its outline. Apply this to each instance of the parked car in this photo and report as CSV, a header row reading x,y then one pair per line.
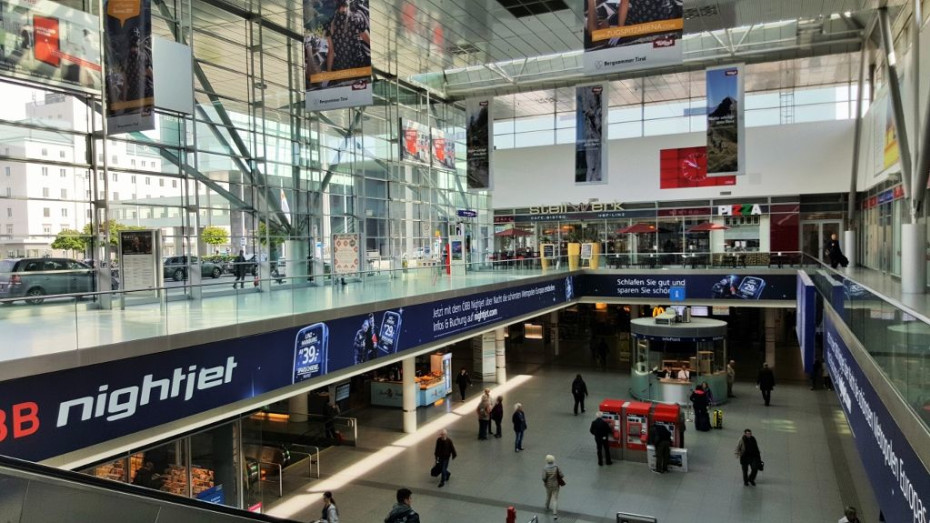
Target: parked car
x,y
176,268
35,278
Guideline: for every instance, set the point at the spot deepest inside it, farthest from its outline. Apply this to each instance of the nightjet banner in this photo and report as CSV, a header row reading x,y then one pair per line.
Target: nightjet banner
x,y
621,35
657,286
726,143
47,41
337,54
590,138
51,414
130,78
899,479
479,142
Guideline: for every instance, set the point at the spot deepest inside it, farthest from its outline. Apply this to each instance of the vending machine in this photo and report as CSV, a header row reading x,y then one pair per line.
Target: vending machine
x,y
612,412
671,417
636,430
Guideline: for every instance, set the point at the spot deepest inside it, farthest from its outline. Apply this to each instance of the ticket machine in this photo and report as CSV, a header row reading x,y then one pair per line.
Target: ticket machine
x,y
635,430
612,412
671,417
631,422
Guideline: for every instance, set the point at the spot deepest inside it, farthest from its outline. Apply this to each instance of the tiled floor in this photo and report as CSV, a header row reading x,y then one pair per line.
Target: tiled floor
x,y
811,468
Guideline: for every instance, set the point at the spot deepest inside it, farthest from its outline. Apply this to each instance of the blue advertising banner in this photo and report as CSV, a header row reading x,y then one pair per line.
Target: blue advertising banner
x,y
899,479
806,326
51,414
726,144
658,286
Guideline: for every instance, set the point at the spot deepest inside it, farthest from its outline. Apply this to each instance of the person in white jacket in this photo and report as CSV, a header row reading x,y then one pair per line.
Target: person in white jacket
x,y
330,512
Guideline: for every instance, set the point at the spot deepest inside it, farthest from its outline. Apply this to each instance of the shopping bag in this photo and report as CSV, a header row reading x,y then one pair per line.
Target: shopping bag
x,y
435,470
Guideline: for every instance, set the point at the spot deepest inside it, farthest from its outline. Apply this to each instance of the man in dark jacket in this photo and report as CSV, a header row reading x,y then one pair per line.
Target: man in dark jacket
x,y
663,442
402,512
463,380
579,391
835,253
601,431
445,451
749,457
239,270
766,381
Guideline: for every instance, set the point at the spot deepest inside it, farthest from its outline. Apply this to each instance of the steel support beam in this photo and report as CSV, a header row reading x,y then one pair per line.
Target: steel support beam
x,y
851,203
897,107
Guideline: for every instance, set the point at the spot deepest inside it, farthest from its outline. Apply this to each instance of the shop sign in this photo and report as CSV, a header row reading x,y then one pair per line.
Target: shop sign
x,y
898,191
467,213
577,207
503,219
885,196
744,209
696,211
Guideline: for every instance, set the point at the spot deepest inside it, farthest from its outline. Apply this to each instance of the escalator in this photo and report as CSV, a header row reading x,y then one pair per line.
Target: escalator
x,y
32,493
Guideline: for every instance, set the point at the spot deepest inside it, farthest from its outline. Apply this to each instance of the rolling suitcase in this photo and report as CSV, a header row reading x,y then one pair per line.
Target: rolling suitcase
x,y
718,419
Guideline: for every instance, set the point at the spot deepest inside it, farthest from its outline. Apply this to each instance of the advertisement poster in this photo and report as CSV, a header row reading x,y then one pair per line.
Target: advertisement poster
x,y
898,477
49,42
590,138
345,253
621,35
686,168
722,286
479,140
337,54
890,144
130,81
414,142
726,144
443,150
58,412
138,260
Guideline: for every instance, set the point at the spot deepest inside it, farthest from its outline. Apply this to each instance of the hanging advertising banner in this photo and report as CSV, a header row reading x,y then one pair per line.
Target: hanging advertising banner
x,y
414,142
49,42
443,150
345,253
891,154
726,143
686,168
337,54
130,80
479,140
621,35
590,138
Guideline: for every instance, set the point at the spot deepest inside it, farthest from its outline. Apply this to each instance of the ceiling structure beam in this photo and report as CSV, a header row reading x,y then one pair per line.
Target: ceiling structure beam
x,y
897,108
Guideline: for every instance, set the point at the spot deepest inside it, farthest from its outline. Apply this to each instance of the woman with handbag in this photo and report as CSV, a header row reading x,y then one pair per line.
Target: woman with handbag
x,y
750,458
553,480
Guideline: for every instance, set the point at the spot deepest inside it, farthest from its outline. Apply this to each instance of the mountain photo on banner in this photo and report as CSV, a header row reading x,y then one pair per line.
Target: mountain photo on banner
x,y
722,121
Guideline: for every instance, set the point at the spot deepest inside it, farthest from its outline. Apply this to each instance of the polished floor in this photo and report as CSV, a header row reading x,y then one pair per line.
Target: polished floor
x,y
811,473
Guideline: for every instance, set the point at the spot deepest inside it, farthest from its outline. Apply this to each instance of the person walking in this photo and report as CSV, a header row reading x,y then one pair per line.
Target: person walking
x,y
463,380
663,443
445,450
330,512
747,450
600,429
553,480
602,353
329,423
850,515
239,270
731,378
579,391
766,382
519,426
835,253
484,414
402,511
497,415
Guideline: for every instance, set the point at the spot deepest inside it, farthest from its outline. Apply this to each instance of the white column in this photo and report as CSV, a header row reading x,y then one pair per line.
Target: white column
x,y
769,329
298,407
499,349
554,331
410,396
484,350
913,258
849,247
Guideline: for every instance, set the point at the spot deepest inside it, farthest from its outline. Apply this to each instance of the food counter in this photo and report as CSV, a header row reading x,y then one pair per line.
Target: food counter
x,y
430,388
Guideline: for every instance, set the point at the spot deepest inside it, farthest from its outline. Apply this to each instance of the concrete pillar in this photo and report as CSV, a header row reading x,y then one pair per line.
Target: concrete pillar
x,y
500,356
410,395
297,267
769,329
554,331
849,247
298,407
913,258
484,351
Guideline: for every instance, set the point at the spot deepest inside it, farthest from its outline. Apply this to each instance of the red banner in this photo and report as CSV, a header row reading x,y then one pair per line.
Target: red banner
x,y
687,167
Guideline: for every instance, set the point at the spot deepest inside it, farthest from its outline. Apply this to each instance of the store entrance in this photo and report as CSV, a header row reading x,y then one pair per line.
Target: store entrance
x,y
815,236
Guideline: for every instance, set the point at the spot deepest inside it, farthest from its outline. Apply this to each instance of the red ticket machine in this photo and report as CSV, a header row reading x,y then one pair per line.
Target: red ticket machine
x,y
635,429
612,412
670,416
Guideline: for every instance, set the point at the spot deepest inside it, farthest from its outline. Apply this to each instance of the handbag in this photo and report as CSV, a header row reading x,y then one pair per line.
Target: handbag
x,y
560,477
437,468
761,465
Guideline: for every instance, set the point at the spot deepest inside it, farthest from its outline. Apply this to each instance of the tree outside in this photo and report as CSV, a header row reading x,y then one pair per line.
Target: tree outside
x,y
70,240
214,236
114,228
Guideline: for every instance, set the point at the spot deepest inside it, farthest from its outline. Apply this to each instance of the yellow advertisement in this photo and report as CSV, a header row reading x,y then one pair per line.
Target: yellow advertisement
x,y
892,154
